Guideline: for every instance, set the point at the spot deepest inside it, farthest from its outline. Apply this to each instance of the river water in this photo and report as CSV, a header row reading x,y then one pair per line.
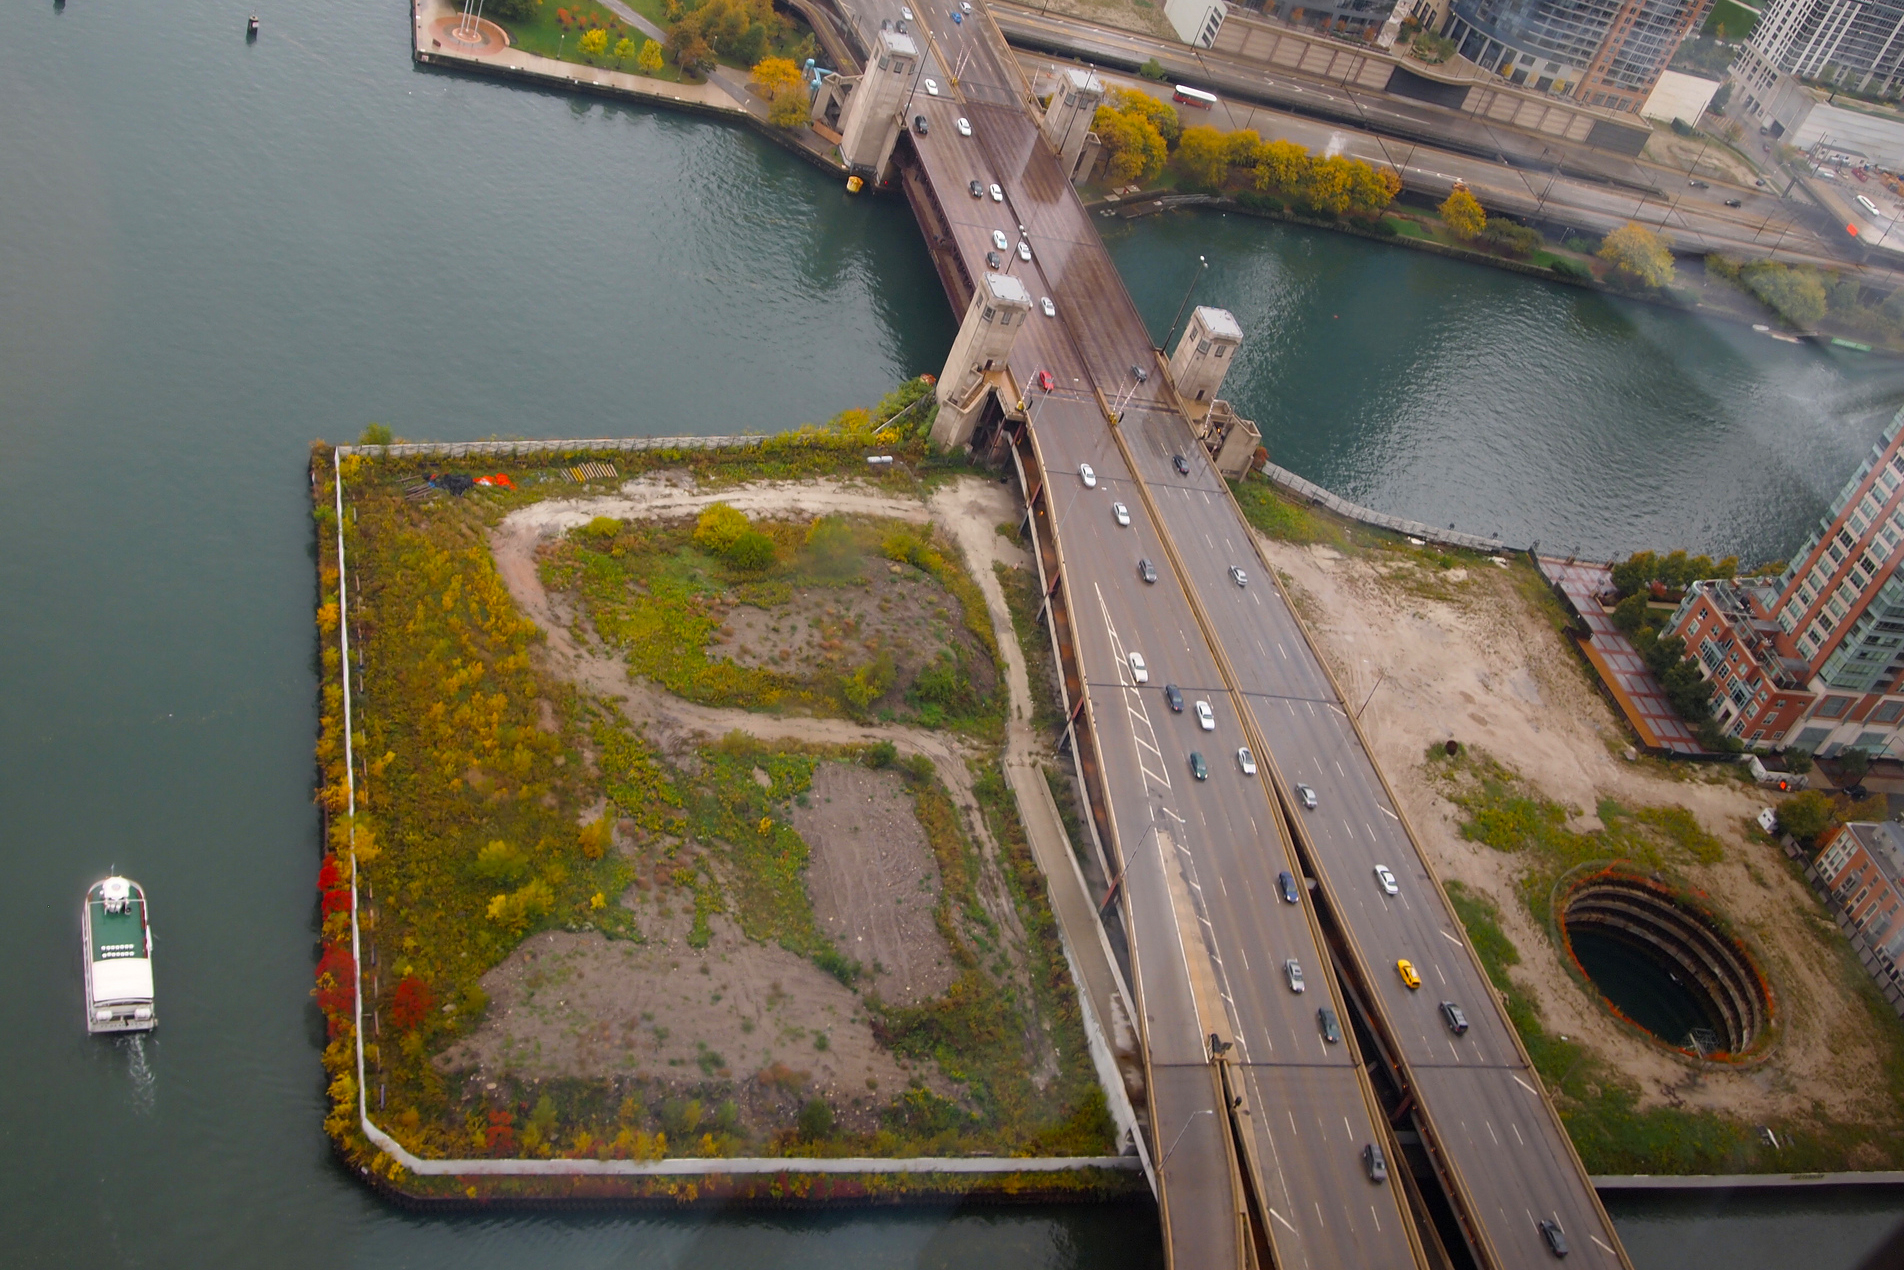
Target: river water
x,y
213,253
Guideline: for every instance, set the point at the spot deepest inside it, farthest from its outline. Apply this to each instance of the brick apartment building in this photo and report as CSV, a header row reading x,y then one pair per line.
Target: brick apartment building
x,y
1813,660
1862,865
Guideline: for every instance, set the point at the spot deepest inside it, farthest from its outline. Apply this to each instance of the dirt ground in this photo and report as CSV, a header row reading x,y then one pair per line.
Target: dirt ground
x,y
581,1005
1465,654
874,881
1714,162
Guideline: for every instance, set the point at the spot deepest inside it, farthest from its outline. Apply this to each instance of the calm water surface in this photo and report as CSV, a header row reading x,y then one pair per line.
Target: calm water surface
x,y
212,253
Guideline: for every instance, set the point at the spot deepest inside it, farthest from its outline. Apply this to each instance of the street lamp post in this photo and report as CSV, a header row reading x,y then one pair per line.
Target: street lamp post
x,y
1195,278
1175,1142
1138,376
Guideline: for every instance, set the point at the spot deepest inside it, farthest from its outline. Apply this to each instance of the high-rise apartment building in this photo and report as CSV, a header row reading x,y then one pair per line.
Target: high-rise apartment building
x,y
1605,53
1814,659
1854,44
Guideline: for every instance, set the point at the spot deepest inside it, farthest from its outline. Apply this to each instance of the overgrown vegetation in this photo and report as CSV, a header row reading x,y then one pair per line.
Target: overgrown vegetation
x,y
493,802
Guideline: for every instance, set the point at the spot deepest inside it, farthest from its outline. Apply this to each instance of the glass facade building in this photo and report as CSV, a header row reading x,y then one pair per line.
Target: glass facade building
x,y
1606,53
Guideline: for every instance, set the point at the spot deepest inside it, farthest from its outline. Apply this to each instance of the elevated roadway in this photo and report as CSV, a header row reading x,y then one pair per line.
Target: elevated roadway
x,y
1258,1154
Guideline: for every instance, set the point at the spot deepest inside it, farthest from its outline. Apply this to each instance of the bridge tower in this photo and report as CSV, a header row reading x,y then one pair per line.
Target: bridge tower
x,y
1068,117
875,113
1000,304
1204,354
1202,358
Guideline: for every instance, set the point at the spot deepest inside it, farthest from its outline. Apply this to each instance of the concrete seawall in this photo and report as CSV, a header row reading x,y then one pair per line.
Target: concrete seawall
x,y
1310,492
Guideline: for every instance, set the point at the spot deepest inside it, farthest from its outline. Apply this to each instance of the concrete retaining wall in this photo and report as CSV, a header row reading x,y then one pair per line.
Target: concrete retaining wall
x,y
1310,492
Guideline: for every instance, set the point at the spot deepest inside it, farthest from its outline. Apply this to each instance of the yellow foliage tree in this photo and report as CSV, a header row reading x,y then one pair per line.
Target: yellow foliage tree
x,y
1327,187
1136,148
1463,214
1161,115
1371,189
593,43
1281,165
1244,147
1639,252
775,75
1203,156
648,61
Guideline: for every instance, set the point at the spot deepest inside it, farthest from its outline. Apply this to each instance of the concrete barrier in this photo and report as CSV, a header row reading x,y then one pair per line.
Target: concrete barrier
x,y
1310,492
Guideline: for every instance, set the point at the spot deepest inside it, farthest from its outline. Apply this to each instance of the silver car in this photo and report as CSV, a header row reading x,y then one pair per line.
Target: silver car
x,y
1205,719
1307,795
1292,971
1387,880
1122,513
1044,302
1246,761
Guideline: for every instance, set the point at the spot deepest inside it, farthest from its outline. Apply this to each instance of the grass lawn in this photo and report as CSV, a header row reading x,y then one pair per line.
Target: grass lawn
x,y
544,35
1730,20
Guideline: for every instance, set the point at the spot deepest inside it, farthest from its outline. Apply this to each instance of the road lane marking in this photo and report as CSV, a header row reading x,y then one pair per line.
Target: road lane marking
x,y
1596,1239
1524,1085
1491,1133
1440,976
1282,650
1285,1221
1386,812
1173,815
1451,939
1517,1133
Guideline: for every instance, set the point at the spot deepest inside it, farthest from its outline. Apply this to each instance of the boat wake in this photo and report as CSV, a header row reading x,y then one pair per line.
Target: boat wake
x,y
144,1083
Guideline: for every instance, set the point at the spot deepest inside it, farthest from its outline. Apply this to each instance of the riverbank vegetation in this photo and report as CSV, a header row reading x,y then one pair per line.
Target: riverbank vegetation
x,y
698,35
516,832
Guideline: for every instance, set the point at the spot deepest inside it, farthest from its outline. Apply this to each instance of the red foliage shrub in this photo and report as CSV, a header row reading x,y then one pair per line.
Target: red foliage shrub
x,y
410,1003
331,875
337,901
500,1136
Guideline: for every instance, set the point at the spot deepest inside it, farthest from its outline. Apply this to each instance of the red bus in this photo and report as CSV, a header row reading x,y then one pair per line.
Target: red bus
x,y
1193,97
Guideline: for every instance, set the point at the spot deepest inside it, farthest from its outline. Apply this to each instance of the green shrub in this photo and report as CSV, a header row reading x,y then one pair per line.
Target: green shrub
x,y
1570,268
376,434
752,552
816,1120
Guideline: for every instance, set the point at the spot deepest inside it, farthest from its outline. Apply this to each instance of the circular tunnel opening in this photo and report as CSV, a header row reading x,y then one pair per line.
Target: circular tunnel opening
x,y
1663,963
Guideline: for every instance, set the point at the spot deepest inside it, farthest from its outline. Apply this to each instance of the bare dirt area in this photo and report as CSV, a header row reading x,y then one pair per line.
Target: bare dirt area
x,y
581,1005
874,881
1471,654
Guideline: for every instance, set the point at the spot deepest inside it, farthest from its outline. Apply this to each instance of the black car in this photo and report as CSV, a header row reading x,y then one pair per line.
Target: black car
x,y
1181,464
1375,1162
1698,184
1556,1237
993,260
1287,882
1457,1021
1733,202
1330,1025
1146,570
978,191
919,124
1174,695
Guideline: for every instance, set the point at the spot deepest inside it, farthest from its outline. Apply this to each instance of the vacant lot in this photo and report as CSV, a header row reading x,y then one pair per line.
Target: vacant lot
x,y
1464,649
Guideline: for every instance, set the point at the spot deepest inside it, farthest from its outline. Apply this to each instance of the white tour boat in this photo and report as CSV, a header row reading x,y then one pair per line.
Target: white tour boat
x,y
118,942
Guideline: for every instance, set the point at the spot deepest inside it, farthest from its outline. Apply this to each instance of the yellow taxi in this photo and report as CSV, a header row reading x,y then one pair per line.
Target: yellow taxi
x,y
1406,969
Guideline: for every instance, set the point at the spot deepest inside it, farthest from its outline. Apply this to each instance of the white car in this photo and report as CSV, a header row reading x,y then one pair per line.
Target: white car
x,y
998,237
1246,761
1292,970
905,13
1024,250
932,88
1139,671
1044,302
1205,719
1088,476
965,6
1387,880
1307,795
965,129
998,196
1238,576
1122,513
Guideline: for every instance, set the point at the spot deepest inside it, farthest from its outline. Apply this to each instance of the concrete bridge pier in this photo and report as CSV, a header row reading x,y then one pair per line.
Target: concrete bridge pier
x,y
977,367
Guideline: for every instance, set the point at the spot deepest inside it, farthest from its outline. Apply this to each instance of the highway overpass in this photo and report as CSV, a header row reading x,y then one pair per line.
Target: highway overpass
x,y
1255,1121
